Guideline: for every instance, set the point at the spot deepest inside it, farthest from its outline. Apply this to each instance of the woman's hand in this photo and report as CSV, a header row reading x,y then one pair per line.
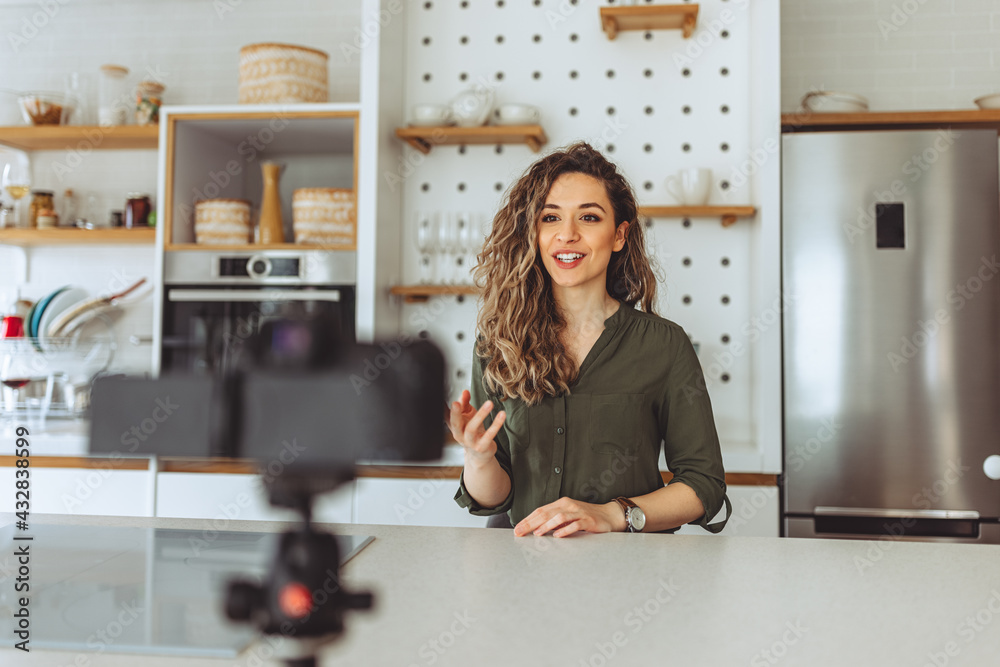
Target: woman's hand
x,y
567,516
466,424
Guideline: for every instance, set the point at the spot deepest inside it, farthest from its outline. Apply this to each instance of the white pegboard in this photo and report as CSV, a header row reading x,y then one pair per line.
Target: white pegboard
x,y
654,102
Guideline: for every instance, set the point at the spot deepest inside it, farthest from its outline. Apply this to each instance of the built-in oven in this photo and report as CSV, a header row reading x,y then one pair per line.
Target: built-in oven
x,y
214,302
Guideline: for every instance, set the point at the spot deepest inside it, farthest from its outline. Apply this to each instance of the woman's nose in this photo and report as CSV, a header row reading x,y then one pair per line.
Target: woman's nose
x,y
567,231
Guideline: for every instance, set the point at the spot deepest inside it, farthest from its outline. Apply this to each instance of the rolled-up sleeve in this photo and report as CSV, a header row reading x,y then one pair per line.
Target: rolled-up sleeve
x,y
480,396
690,440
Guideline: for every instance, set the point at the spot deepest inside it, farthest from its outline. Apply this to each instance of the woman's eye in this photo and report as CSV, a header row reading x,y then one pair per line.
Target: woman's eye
x,y
590,217
549,218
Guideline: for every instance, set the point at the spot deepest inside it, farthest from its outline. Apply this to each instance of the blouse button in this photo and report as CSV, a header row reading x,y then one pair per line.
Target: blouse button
x,y
559,430
558,470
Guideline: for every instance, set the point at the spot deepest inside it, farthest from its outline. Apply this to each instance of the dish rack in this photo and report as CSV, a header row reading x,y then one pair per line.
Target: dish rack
x,y
51,378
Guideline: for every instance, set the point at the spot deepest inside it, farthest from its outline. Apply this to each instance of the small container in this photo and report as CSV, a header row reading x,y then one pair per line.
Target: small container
x,y
40,200
47,218
148,98
114,99
222,222
283,74
324,216
117,219
137,209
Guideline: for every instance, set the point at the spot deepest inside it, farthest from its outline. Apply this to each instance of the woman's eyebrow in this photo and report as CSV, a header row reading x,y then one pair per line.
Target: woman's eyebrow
x,y
587,205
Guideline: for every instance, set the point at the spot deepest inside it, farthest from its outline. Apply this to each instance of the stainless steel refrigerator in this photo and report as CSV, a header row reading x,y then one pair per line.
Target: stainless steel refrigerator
x,y
891,334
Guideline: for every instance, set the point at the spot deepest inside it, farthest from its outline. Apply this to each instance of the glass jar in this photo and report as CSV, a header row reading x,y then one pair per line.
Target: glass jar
x,y
137,208
148,98
114,103
40,200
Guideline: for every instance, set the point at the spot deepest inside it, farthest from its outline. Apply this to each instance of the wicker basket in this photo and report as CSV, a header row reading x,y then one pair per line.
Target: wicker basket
x,y
282,74
222,222
324,216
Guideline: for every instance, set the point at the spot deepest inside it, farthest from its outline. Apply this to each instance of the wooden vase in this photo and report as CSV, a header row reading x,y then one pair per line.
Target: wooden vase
x,y
272,229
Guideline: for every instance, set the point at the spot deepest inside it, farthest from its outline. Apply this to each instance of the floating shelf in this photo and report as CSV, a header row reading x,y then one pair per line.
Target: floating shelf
x,y
807,121
425,138
649,17
729,214
42,237
420,293
254,247
59,137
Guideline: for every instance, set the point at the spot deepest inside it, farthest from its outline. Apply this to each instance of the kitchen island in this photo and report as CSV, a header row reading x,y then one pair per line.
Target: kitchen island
x,y
475,596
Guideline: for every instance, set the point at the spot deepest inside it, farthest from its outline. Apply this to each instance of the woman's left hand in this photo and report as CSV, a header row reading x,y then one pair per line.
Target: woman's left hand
x,y
567,516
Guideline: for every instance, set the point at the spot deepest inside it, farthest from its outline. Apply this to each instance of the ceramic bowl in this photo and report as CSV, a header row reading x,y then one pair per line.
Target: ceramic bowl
x,y
989,101
472,107
430,115
517,114
829,101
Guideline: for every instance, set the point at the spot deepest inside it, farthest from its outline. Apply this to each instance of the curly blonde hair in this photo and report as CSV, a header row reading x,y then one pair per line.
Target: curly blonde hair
x,y
519,325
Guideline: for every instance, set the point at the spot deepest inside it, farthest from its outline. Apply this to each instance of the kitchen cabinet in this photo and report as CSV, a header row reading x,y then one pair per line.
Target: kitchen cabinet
x,y
216,152
105,489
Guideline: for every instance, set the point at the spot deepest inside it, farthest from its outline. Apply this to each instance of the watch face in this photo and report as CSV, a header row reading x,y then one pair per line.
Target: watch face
x,y
638,518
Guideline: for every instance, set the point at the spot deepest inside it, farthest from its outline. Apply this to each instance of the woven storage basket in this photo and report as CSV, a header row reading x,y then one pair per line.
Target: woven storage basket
x,y
282,73
222,222
324,216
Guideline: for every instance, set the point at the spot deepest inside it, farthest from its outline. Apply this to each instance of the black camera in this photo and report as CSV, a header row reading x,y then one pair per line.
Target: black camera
x,y
317,404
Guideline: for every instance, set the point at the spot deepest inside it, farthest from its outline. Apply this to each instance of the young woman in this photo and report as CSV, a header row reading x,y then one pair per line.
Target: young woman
x,y
573,389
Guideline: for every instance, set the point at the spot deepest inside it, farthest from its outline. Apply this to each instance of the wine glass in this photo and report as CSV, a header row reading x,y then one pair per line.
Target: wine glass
x,y
17,183
425,239
446,246
466,247
15,373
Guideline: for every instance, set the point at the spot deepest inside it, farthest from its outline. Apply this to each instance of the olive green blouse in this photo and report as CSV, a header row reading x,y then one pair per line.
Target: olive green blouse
x,y
641,384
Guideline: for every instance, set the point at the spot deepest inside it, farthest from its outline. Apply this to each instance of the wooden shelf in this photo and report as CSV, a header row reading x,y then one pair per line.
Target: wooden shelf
x,y
420,293
254,247
728,214
425,138
649,17
70,236
59,137
807,121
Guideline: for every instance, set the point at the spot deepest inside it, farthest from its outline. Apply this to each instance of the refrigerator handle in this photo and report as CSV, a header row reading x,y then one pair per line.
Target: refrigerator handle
x,y
896,522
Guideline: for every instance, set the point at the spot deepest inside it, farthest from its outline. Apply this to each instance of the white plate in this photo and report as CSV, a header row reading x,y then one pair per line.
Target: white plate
x,y
62,302
429,123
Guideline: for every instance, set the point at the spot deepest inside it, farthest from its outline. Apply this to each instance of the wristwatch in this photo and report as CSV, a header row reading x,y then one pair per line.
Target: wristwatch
x,y
635,518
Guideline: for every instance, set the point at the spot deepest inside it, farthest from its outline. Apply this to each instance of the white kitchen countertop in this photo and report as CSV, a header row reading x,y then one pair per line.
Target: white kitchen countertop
x,y
475,596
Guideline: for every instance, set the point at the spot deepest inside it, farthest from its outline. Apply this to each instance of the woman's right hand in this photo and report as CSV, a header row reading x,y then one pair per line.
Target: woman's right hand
x,y
466,424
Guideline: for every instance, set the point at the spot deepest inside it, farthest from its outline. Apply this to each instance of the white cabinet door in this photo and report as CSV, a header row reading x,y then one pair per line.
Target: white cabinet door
x,y
411,502
102,491
755,513
230,497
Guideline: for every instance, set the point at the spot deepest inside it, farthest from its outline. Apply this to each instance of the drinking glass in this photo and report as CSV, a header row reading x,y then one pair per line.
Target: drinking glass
x,y
447,240
425,240
17,183
467,228
16,371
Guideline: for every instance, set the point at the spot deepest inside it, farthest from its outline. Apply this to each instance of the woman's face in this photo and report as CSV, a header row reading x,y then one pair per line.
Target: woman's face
x,y
576,232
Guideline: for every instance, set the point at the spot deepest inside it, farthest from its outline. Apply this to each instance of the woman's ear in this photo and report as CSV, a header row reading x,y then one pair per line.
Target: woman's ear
x,y
621,232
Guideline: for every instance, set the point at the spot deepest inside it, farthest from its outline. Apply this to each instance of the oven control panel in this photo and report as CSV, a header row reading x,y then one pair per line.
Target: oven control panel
x,y
258,266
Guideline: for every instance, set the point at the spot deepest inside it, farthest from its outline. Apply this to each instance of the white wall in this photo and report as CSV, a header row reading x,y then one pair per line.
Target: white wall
x,y
900,54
